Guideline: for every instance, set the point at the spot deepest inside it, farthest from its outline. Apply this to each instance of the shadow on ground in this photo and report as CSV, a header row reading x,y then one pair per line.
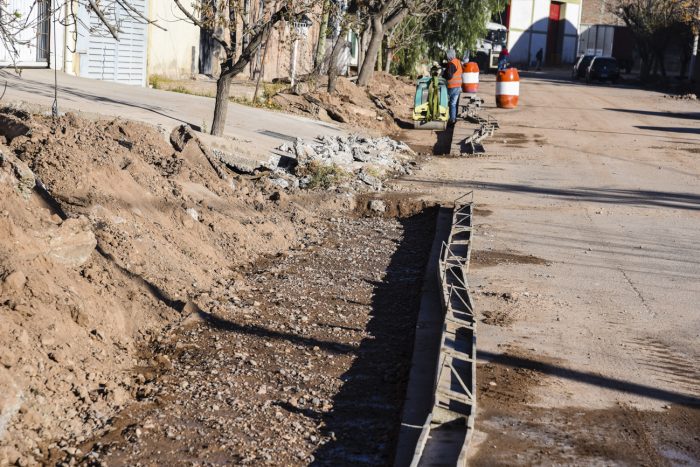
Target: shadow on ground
x,y
591,378
649,198
363,424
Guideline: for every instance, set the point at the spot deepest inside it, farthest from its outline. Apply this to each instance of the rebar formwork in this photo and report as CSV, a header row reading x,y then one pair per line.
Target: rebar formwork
x,y
446,433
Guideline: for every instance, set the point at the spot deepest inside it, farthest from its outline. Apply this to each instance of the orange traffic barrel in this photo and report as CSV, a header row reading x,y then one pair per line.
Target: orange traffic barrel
x,y
470,78
507,88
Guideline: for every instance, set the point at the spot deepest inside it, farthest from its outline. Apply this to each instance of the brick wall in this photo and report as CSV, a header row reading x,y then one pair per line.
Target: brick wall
x,y
598,12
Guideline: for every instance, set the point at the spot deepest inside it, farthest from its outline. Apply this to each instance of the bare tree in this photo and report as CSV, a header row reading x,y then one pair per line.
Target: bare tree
x,y
410,32
383,15
652,22
222,24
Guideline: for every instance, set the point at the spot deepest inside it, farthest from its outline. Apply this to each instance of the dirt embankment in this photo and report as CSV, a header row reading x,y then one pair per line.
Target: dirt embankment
x,y
121,236
381,108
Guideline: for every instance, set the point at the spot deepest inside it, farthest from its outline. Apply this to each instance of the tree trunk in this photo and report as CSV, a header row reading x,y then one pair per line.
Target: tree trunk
x,y
662,65
223,88
389,58
334,66
321,43
372,51
230,69
361,49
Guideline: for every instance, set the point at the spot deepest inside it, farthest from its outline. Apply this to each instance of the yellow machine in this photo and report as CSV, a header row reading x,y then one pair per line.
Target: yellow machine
x,y
431,108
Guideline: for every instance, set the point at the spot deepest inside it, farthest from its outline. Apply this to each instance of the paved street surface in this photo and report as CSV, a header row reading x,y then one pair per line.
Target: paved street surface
x,y
263,130
586,272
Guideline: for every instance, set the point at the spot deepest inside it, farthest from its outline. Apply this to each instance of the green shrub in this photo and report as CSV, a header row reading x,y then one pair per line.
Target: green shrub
x,y
326,176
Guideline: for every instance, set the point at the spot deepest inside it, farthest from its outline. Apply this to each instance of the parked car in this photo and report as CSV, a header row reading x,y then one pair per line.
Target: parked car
x,y
603,69
581,66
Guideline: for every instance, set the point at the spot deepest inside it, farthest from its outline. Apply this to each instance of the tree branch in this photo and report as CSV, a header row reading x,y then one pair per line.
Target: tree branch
x,y
126,4
257,35
203,26
114,31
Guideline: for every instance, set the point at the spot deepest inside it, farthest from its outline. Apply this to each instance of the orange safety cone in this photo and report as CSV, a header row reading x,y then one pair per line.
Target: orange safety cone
x,y
507,88
470,78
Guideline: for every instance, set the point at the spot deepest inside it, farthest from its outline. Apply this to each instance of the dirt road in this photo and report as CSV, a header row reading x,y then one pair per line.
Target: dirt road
x,y
587,276
279,330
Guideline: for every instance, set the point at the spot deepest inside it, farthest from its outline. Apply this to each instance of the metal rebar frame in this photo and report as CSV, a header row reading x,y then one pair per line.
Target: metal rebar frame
x,y
487,125
451,420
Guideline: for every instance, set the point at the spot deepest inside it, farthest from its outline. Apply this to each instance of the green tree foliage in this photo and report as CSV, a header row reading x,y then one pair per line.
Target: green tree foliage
x,y
459,24
453,23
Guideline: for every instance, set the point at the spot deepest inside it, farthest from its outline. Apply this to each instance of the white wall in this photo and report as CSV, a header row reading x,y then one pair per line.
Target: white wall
x,y
572,13
520,14
170,52
529,22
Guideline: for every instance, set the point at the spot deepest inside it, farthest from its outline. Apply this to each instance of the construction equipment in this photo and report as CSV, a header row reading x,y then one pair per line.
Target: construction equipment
x,y
489,47
431,108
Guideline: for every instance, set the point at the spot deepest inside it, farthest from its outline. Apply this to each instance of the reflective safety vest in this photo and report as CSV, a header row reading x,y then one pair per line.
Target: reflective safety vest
x,y
456,81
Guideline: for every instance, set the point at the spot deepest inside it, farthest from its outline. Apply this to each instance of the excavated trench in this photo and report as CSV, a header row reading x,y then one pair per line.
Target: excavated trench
x,y
307,363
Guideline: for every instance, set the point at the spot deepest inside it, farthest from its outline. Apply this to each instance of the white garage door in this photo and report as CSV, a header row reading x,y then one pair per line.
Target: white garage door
x,y
123,61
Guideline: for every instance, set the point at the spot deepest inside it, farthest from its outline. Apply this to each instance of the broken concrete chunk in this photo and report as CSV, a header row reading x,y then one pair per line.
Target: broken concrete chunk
x,y
280,182
370,180
73,243
14,282
237,164
193,213
25,178
354,154
377,205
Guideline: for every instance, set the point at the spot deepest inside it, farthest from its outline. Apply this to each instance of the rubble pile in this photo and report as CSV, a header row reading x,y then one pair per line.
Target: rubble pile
x,y
352,162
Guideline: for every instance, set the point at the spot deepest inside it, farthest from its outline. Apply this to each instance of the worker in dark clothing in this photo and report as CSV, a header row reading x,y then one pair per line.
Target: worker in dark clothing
x,y
453,76
539,57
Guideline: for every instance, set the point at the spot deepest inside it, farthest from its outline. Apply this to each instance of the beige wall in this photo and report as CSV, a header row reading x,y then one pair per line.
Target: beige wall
x,y
170,52
278,57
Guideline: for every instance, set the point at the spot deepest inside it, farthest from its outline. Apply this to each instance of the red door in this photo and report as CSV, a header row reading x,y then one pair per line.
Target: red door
x,y
554,34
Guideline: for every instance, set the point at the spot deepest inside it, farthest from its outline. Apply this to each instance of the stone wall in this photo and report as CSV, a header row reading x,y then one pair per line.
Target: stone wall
x,y
599,12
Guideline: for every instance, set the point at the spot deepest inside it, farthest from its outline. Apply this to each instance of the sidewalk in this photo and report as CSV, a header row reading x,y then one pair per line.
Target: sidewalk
x,y
265,130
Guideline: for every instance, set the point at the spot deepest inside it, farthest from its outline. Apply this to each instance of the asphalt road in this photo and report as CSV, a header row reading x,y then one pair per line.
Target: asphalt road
x,y
586,272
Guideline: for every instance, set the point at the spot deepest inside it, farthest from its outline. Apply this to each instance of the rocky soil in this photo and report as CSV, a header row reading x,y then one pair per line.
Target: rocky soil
x,y
304,359
108,234
382,108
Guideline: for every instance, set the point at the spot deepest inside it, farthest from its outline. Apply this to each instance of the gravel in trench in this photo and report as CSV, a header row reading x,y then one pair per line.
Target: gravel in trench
x,y
303,360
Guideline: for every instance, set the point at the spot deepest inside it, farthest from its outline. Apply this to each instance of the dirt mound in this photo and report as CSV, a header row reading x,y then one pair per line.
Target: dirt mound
x,y
379,108
107,234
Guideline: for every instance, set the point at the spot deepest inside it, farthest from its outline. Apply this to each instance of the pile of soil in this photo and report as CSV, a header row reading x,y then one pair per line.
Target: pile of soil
x,y
380,108
108,234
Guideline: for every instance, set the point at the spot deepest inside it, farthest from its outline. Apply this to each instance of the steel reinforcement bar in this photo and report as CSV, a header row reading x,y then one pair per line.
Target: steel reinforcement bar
x,y
446,433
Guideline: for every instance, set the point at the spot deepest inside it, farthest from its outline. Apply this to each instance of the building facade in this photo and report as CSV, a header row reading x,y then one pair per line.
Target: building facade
x,y
552,26
171,47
